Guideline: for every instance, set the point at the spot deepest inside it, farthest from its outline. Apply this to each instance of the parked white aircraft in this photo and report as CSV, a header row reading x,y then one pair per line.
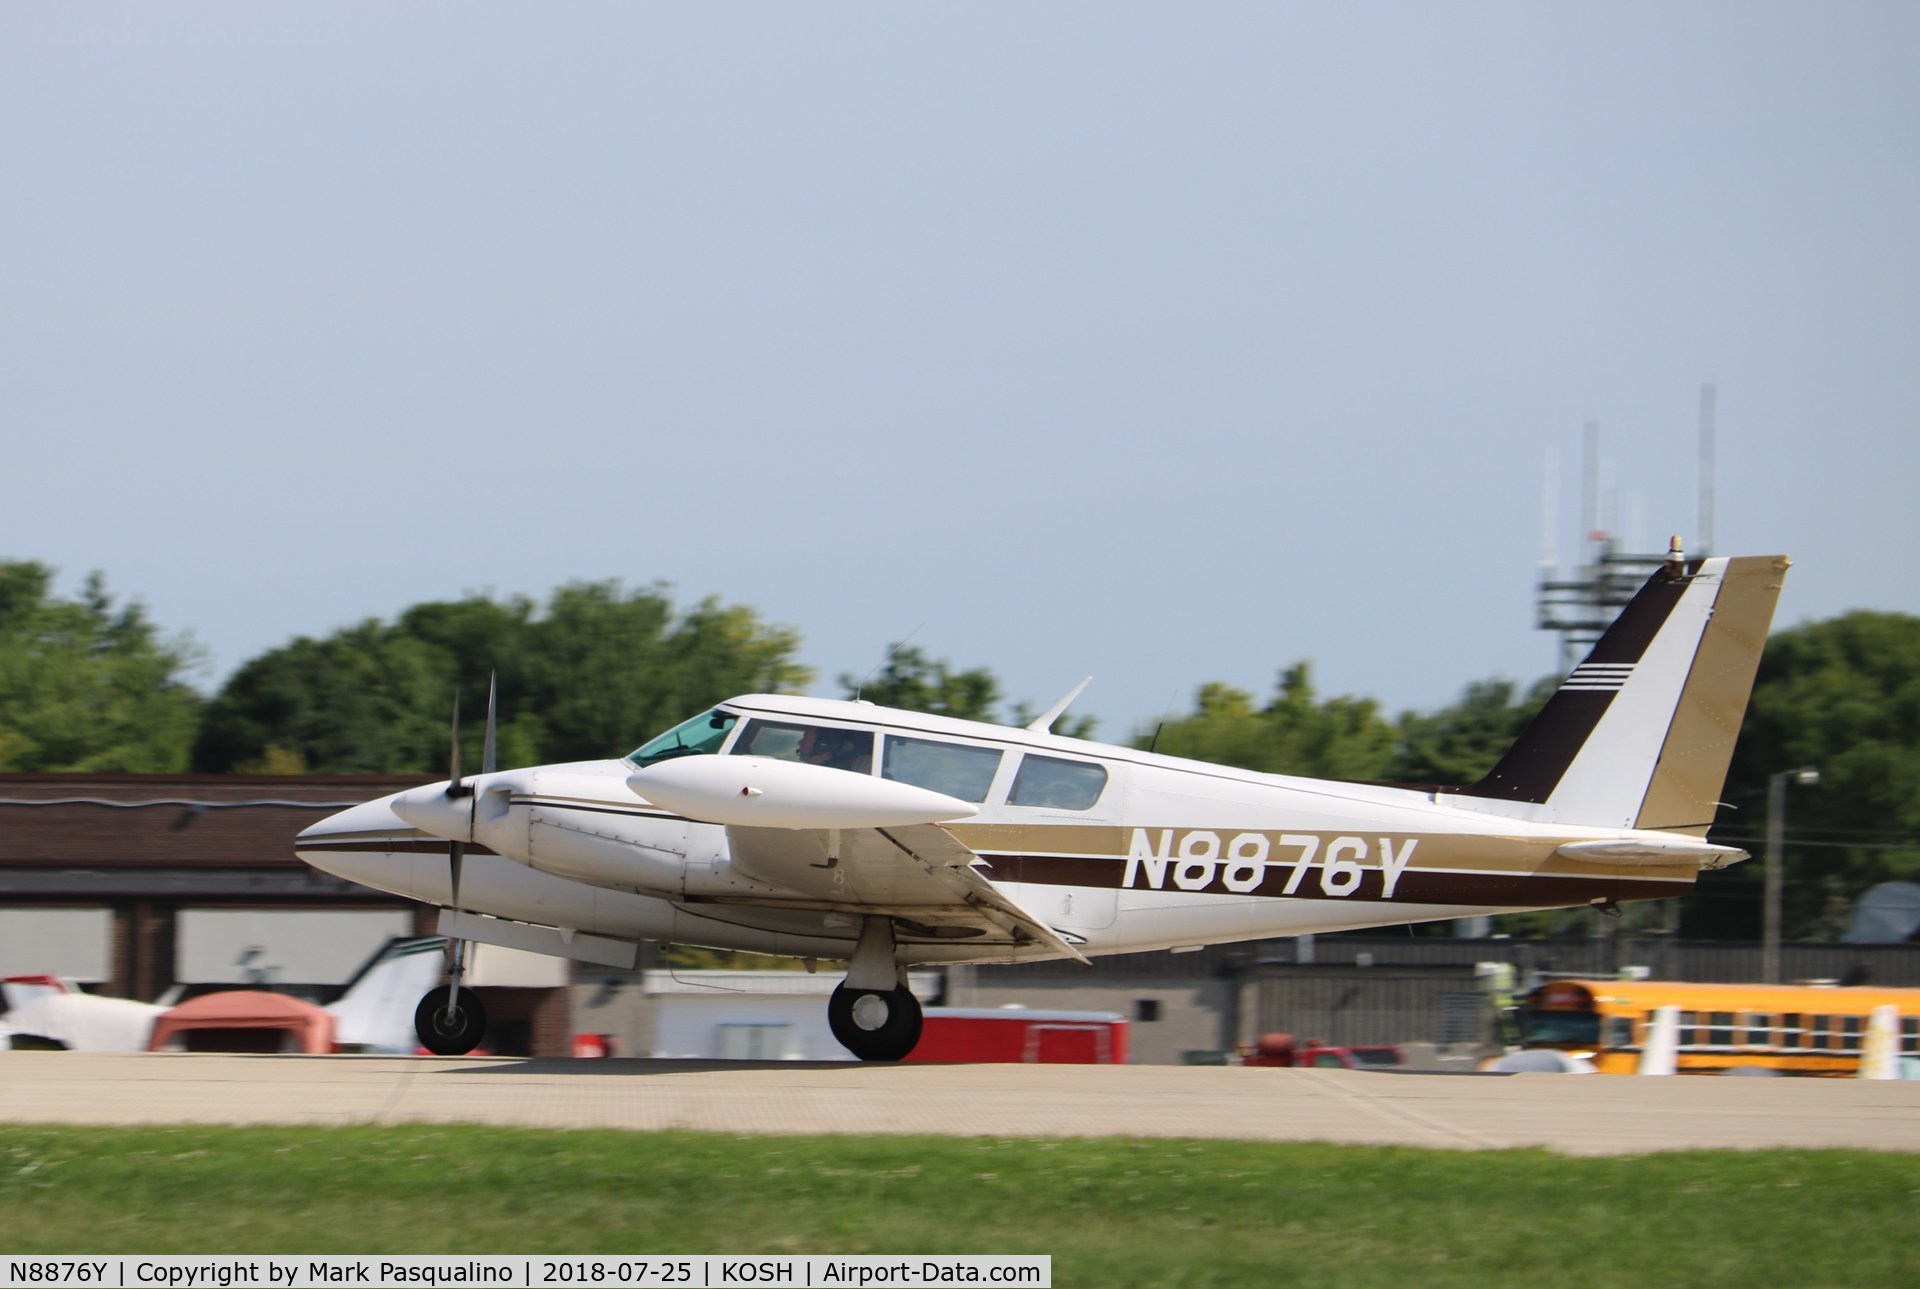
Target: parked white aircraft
x,y
846,831
371,1015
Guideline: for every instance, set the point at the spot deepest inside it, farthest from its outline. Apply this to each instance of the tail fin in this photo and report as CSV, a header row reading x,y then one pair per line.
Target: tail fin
x,y
1639,735
376,1011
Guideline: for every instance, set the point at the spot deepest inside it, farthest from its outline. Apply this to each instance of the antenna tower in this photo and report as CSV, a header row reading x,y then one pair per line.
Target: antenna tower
x,y
1583,604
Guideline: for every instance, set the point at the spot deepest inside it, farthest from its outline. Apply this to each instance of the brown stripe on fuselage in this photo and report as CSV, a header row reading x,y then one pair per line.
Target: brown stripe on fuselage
x,y
393,845
1517,888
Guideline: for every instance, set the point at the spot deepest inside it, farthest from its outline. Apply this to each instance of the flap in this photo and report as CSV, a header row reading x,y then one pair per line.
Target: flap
x,y
918,872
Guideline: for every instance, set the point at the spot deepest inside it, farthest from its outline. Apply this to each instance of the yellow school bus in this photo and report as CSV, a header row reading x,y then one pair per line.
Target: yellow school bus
x,y
1791,1029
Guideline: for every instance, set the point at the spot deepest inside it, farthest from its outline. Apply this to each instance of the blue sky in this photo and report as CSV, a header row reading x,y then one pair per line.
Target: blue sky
x,y
1170,343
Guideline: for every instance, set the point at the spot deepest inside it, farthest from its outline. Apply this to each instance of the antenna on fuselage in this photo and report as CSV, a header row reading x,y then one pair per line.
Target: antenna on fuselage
x,y
1172,698
896,647
1043,723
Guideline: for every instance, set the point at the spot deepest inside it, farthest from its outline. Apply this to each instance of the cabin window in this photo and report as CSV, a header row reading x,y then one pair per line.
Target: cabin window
x,y
1720,1030
1850,1034
1619,1031
1060,785
1910,1035
1791,1033
837,749
953,768
702,735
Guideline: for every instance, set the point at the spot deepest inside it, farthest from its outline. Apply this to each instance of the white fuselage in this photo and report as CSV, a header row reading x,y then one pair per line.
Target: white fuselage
x,y
1115,849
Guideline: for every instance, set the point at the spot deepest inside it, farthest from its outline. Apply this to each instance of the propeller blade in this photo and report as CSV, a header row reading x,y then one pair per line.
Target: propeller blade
x,y
453,769
456,788
457,850
486,754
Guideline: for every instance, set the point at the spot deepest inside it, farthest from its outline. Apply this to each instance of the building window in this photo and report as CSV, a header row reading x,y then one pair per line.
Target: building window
x,y
1146,1009
752,1042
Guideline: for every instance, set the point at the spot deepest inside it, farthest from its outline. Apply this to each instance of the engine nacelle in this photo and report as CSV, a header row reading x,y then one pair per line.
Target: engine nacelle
x,y
564,825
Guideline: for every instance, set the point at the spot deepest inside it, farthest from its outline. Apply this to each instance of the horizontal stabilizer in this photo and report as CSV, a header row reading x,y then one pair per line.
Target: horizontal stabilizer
x,y
1651,850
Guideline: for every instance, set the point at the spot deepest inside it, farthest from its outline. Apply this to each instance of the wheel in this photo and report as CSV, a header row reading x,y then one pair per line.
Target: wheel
x,y
875,1024
454,1035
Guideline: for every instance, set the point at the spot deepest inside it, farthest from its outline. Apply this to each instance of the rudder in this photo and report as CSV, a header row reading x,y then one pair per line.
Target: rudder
x,y
1692,768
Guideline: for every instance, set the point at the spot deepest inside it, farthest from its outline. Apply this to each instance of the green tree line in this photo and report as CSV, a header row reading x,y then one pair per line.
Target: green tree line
x,y
595,668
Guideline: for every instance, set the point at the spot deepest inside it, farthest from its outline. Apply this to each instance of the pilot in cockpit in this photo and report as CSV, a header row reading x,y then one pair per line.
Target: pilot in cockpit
x,y
836,749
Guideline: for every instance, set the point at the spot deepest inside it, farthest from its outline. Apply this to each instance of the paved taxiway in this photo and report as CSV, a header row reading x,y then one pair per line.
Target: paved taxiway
x,y
1585,1115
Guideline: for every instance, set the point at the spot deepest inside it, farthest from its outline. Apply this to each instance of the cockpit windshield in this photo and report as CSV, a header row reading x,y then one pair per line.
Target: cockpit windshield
x,y
702,735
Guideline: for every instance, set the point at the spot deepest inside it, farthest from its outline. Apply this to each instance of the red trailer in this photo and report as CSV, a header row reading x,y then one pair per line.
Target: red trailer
x,y
1316,1053
1019,1034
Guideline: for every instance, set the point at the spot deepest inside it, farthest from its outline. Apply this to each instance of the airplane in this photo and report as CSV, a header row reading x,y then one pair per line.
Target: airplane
x,y
371,1015
844,831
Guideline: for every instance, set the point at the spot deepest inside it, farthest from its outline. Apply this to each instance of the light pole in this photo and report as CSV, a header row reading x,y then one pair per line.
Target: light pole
x,y
1776,843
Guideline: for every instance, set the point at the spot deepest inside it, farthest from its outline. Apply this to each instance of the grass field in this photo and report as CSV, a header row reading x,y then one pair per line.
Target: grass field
x,y
1111,1212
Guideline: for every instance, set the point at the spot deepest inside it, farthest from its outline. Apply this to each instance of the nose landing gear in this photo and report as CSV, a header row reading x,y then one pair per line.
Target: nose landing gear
x,y
450,1026
448,1022
451,1021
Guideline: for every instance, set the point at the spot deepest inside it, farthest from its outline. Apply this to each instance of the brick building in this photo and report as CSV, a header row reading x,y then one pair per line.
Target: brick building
x,y
136,883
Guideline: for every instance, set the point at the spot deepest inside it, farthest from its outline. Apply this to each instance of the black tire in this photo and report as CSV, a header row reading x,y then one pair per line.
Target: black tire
x,y
445,1035
889,1040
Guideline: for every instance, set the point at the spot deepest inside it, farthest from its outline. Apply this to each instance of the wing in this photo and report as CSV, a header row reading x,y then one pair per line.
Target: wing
x,y
917,873
822,838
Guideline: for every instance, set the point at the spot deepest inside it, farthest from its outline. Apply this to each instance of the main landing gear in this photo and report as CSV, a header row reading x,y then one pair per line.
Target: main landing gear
x,y
872,1013
875,1024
